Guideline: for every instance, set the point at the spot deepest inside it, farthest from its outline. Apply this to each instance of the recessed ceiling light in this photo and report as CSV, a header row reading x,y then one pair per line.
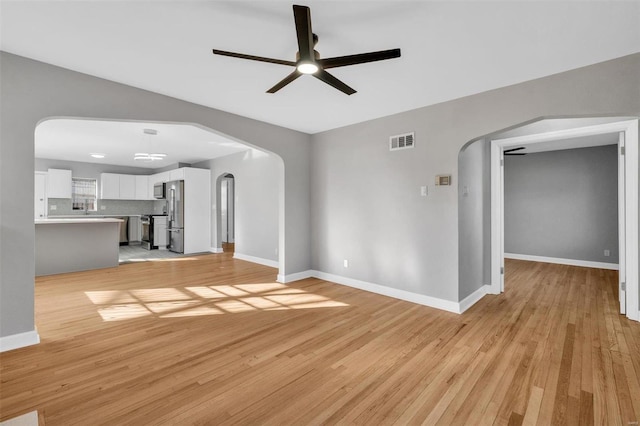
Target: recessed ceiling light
x,y
97,155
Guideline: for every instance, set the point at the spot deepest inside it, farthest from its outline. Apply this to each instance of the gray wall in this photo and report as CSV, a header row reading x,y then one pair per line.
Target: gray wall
x,y
562,204
474,212
365,200
257,179
32,91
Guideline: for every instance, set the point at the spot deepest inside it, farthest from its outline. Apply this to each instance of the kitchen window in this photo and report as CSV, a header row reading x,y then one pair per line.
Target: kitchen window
x,y
84,194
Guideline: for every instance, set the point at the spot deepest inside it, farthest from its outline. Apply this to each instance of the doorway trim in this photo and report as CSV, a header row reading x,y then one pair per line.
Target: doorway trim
x,y
628,220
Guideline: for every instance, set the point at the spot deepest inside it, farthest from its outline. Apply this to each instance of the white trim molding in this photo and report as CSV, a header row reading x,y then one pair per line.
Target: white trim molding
x,y
216,250
627,190
473,298
295,277
259,260
20,340
420,299
561,261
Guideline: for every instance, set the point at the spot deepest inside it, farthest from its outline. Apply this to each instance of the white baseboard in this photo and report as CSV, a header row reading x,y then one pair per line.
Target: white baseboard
x,y
215,250
420,299
561,261
471,299
259,260
294,277
20,340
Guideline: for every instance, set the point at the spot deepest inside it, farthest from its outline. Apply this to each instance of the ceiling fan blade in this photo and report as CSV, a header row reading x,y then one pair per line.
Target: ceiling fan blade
x,y
331,80
342,61
302,16
253,58
288,79
514,149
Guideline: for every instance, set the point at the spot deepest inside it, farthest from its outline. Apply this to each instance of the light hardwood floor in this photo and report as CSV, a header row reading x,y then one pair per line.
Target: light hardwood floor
x,y
213,340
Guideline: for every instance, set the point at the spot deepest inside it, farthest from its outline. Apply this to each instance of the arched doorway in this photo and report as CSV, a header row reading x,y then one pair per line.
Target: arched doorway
x,y
226,188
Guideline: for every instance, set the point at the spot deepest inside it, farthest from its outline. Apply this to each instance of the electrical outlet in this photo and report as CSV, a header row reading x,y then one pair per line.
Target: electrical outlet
x,y
346,263
103,207
53,207
607,253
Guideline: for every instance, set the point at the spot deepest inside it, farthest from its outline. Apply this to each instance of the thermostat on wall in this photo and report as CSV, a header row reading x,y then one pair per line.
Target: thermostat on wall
x,y
442,180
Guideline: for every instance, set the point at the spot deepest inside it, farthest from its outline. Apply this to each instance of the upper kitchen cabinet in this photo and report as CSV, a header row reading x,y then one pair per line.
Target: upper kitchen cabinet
x,y
142,188
59,183
177,174
110,186
127,187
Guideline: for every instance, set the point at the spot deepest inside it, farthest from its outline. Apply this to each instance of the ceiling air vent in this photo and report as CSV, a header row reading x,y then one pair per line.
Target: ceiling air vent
x,y
404,141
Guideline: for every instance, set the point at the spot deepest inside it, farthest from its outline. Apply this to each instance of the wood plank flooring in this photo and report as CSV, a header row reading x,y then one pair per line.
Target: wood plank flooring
x,y
213,340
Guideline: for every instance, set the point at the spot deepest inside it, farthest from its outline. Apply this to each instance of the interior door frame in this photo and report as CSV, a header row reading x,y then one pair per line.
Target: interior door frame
x,y
627,190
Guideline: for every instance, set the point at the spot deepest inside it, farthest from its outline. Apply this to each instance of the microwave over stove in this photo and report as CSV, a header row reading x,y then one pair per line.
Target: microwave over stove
x,y
158,191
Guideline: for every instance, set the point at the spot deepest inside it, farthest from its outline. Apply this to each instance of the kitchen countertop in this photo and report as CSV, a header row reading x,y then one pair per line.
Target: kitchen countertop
x,y
81,219
89,216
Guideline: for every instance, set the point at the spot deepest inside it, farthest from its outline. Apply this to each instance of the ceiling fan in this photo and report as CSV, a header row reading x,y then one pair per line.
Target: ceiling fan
x,y
308,59
511,151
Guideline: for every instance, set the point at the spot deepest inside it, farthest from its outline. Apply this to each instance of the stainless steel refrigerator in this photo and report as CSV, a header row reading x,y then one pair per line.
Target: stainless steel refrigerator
x,y
175,209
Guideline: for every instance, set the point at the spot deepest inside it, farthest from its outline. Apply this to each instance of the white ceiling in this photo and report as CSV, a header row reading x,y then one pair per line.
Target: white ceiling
x,y
449,49
75,140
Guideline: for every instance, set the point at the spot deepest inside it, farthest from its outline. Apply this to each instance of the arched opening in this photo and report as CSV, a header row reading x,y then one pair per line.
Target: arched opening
x,y
188,145
227,211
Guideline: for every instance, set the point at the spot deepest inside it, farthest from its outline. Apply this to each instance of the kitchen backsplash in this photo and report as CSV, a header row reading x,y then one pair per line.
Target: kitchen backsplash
x,y
111,207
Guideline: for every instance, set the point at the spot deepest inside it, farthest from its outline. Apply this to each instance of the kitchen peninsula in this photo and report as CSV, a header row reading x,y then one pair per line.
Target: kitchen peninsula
x,y
70,245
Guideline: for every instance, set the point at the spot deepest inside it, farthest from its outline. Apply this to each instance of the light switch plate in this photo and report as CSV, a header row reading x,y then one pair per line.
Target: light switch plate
x,y
424,191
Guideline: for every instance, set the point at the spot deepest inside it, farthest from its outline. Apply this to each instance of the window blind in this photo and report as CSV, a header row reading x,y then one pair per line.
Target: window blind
x,y
83,193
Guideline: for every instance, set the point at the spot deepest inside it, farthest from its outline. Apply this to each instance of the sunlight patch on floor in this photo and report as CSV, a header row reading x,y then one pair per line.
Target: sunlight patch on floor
x,y
170,302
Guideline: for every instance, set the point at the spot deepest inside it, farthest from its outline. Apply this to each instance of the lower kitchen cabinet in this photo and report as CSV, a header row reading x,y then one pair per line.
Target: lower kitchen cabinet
x,y
160,231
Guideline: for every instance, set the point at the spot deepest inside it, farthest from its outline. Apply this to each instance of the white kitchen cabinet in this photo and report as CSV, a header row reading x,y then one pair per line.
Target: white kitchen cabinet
x,y
135,229
197,210
142,188
115,186
177,174
160,231
127,187
40,192
110,186
59,183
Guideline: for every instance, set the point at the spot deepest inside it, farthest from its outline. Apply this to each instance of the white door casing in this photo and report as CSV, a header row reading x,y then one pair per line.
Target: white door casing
x,y
627,196
621,225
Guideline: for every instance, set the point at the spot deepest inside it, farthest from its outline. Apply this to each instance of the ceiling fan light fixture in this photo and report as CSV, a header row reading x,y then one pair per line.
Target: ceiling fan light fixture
x,y
307,68
97,155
